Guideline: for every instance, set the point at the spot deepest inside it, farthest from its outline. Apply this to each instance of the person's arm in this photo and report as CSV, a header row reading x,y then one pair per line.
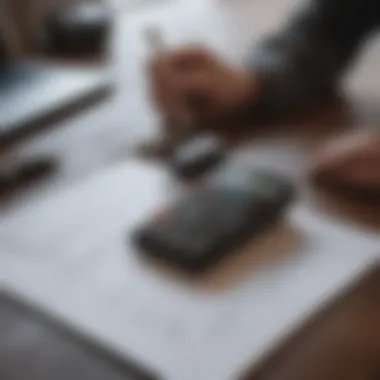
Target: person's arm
x,y
306,59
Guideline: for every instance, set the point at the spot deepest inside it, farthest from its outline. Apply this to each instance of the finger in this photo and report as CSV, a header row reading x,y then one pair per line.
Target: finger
x,y
159,66
190,57
194,83
172,89
201,95
162,85
166,101
363,172
334,154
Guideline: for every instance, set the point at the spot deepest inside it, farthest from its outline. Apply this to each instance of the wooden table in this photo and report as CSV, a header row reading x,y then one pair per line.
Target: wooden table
x,y
63,242
342,342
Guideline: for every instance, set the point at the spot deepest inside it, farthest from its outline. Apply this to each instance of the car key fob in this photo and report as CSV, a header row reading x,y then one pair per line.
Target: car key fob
x,y
219,215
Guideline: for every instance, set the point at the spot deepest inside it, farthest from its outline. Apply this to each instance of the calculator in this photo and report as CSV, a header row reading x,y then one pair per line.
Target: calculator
x,y
233,205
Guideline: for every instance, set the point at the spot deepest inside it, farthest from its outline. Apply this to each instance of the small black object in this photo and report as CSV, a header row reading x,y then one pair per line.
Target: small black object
x,y
34,170
18,175
77,29
197,156
232,205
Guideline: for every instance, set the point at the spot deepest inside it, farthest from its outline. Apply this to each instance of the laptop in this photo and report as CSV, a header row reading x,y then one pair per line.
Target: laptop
x,y
33,92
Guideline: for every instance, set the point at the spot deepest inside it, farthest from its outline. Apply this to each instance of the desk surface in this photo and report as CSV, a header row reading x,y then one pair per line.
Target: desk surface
x,y
65,243
342,342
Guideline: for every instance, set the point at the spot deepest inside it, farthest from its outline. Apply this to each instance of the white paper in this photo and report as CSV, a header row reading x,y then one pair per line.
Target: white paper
x,y
87,273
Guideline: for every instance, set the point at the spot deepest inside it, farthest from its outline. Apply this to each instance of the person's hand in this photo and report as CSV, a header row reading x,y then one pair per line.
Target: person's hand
x,y
210,88
352,160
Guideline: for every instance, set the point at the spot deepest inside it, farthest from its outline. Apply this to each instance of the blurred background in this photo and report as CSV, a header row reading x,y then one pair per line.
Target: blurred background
x,y
74,105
